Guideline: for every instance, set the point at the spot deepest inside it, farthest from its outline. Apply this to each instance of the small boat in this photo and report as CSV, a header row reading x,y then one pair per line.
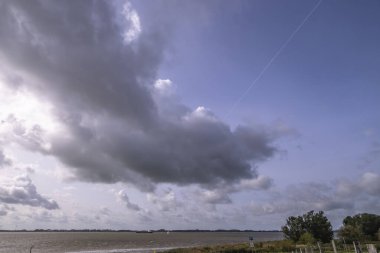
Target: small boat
x,y
144,232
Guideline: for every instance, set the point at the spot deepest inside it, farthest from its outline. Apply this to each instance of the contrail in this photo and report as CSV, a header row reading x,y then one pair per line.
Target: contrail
x,y
274,57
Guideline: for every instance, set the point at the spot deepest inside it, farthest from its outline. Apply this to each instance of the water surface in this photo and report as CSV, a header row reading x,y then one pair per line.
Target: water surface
x,y
103,242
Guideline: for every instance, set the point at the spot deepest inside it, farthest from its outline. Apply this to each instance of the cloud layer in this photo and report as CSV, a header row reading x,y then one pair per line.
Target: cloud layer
x,y
122,194
342,196
4,160
23,192
96,66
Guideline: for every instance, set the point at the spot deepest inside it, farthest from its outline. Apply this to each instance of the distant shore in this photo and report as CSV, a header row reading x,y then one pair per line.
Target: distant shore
x,y
137,231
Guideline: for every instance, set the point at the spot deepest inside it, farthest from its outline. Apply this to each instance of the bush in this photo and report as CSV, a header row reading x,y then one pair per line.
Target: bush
x,y
307,238
314,223
350,233
360,226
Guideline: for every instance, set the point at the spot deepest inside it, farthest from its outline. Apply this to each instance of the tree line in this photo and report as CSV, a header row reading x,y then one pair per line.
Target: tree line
x,y
313,227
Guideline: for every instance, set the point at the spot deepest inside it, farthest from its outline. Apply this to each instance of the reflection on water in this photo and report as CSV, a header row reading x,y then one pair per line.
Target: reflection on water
x,y
117,242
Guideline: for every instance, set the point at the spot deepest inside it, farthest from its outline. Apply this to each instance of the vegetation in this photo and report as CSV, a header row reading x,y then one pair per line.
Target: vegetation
x,y
362,226
310,227
284,246
307,239
262,247
305,231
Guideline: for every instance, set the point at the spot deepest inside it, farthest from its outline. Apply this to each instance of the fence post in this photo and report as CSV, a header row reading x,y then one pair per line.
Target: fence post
x,y
357,247
319,247
371,248
344,244
334,247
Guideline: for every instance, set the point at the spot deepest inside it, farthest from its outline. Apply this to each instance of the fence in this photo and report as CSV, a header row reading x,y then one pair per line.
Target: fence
x,y
355,247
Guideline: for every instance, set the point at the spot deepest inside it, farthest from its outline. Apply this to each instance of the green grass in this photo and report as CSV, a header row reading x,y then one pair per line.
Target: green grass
x,y
260,247
267,247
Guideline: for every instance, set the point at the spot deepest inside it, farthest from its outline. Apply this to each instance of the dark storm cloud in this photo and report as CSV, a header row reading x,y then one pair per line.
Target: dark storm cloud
x,y
22,191
116,126
76,56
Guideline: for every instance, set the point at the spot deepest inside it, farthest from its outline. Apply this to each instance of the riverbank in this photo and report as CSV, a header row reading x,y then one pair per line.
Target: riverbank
x,y
271,247
262,247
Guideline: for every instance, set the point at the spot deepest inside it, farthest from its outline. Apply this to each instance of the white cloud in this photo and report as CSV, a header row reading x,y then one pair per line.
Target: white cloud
x,y
163,84
132,18
370,182
166,201
259,183
215,197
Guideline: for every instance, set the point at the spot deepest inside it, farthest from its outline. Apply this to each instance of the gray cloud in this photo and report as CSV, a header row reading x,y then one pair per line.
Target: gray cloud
x,y
166,202
22,191
116,126
308,196
346,197
43,216
4,209
104,211
221,193
370,157
215,197
259,183
124,197
77,53
368,183
4,161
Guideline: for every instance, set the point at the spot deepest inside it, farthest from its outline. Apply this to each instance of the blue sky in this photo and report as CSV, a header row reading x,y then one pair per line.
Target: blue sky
x,y
135,115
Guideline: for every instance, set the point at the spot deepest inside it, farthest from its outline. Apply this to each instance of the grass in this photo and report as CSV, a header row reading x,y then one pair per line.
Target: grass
x,y
260,247
267,247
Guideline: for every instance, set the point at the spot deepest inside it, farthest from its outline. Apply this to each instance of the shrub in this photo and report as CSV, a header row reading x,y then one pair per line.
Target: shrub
x,y
307,238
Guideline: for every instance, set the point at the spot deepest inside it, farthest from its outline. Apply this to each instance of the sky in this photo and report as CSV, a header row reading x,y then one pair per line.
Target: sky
x,y
187,114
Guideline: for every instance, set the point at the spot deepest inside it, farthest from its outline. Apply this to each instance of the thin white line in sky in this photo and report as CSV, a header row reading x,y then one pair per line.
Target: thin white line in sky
x,y
274,58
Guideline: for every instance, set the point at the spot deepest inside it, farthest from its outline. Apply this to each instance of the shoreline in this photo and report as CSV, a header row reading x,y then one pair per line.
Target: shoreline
x,y
278,246
136,231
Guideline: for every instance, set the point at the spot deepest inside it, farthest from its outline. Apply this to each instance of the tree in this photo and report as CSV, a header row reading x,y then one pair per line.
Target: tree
x,y
319,226
350,233
360,226
316,224
294,228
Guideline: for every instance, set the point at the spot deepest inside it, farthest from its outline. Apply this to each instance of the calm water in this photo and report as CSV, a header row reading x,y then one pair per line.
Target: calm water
x,y
120,242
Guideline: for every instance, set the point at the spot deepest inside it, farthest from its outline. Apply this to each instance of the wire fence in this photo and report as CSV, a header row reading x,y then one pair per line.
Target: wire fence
x,y
355,247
